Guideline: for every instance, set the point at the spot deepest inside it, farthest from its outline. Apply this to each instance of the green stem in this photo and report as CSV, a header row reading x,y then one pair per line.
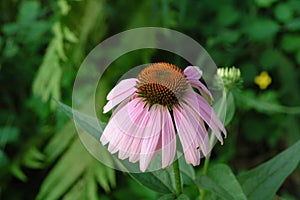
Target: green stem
x,y
212,140
177,177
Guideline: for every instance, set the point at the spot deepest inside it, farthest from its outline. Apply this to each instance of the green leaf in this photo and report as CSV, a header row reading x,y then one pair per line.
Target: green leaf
x,y
167,197
44,85
88,123
183,197
69,35
8,134
187,172
293,25
86,173
65,172
55,147
250,100
28,12
221,182
290,42
4,161
283,12
11,48
17,172
263,181
264,3
261,29
161,181
298,57
33,158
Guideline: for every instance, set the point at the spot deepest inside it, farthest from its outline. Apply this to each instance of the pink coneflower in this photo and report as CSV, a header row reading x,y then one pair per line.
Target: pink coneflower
x,y
151,108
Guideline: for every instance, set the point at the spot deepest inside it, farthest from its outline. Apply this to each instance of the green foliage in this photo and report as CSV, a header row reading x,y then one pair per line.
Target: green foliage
x,y
261,29
43,43
263,181
221,182
76,171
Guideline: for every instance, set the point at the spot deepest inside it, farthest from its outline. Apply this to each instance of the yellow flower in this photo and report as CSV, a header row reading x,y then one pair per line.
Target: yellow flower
x,y
263,80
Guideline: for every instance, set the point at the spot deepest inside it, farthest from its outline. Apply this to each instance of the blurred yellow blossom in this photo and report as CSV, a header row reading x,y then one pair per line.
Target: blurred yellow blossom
x,y
263,80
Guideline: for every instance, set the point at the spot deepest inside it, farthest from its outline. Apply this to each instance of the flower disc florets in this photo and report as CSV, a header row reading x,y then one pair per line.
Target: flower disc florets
x,y
161,83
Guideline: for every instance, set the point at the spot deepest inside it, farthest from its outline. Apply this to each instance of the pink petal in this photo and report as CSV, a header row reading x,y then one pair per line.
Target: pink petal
x,y
134,132
205,112
201,87
187,136
112,103
168,139
119,93
193,72
150,143
132,119
121,87
120,136
202,138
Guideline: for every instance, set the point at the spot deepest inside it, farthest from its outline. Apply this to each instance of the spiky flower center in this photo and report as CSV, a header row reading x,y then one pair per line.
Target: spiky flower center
x,y
161,83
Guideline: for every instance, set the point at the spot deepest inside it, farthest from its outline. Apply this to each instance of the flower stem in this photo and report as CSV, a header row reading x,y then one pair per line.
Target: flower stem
x,y
177,177
212,140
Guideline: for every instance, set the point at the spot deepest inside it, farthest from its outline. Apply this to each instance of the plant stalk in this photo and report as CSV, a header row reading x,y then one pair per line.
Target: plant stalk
x,y
212,140
177,177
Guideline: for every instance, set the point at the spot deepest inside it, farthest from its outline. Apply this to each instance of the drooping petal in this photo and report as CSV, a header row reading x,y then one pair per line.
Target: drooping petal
x,y
119,93
202,138
211,113
201,87
121,87
192,72
150,141
204,111
123,128
187,136
168,139
111,130
134,131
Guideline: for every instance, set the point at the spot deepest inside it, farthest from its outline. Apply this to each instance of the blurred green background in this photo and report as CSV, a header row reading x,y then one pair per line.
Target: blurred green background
x,y
43,43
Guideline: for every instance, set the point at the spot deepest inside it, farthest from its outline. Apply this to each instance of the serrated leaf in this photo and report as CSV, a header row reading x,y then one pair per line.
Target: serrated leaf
x,y
55,147
17,172
65,172
34,158
69,35
44,85
91,187
263,181
103,175
222,182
